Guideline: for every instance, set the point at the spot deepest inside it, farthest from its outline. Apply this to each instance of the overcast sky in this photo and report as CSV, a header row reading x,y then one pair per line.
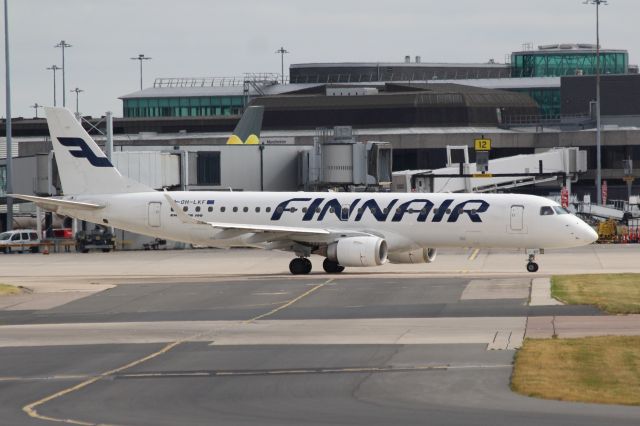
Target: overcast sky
x,y
204,38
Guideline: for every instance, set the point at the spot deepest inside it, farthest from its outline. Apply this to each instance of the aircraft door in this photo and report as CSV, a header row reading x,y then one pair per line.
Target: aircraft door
x,y
517,213
154,214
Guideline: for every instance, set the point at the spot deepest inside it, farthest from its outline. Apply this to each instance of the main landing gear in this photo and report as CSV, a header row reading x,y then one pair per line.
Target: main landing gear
x,y
332,267
532,266
300,266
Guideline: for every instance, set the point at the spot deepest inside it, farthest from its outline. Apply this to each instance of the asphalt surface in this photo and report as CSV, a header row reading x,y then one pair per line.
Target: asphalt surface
x,y
205,379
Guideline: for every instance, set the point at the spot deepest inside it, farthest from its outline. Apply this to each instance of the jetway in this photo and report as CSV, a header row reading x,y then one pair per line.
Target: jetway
x,y
503,173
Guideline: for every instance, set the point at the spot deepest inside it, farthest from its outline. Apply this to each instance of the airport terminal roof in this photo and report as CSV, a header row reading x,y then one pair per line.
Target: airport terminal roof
x,y
202,91
397,64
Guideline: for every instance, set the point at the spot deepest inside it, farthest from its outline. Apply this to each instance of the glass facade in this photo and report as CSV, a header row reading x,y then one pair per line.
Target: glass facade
x,y
548,99
557,64
183,107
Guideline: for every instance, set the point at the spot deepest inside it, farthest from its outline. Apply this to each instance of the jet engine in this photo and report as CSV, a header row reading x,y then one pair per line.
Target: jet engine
x,y
358,251
425,255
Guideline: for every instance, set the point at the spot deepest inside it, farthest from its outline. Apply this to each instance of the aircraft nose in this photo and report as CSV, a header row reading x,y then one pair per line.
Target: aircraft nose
x,y
587,233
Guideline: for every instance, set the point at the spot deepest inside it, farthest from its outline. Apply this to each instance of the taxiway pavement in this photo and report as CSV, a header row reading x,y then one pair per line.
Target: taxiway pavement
x,y
269,349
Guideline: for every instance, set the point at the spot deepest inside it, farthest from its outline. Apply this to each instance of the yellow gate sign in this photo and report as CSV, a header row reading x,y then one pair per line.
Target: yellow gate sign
x,y
483,144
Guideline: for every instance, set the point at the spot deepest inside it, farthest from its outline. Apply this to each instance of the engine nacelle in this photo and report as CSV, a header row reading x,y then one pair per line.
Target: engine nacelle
x,y
426,255
358,251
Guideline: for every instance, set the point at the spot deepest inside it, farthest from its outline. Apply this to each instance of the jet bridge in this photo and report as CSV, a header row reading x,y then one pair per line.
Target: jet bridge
x,y
503,173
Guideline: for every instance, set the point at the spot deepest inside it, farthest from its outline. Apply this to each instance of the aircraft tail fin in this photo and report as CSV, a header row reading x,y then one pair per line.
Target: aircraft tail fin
x,y
82,166
247,131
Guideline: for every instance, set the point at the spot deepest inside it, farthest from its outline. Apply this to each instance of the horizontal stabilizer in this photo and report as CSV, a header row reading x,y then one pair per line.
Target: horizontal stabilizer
x,y
53,204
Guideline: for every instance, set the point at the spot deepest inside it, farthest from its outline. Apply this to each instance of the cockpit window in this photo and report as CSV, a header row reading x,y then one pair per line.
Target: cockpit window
x,y
561,210
546,211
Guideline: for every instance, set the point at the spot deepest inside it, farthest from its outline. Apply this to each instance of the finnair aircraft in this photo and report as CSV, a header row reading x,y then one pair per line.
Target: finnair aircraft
x,y
348,229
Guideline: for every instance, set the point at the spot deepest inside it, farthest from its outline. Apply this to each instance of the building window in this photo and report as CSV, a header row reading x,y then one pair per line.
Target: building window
x,y
208,168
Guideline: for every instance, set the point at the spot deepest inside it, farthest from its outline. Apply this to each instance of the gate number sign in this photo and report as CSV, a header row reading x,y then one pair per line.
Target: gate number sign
x,y
483,144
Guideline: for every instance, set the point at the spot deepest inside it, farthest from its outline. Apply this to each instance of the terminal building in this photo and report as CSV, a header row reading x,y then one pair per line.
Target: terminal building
x,y
542,99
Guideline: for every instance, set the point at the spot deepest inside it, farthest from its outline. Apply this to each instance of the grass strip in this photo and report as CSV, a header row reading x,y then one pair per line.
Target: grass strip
x,y
9,290
612,293
593,369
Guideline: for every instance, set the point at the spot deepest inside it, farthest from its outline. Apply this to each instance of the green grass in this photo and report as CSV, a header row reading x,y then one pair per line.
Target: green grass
x,y
9,290
594,369
612,293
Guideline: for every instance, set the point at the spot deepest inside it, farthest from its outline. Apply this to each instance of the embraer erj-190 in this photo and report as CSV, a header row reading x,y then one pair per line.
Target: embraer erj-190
x,y
348,228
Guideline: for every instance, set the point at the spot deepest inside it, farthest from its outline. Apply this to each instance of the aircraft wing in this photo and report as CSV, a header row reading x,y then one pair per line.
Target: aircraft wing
x,y
52,204
185,218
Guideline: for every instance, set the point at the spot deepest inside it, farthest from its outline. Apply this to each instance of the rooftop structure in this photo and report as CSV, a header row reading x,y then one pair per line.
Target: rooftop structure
x,y
555,60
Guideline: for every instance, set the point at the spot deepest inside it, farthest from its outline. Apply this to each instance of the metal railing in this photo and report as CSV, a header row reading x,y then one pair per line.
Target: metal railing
x,y
264,78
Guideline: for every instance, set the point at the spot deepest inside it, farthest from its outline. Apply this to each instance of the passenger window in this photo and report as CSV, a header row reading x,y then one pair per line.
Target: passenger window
x,y
268,209
257,209
546,211
235,209
33,236
185,208
15,237
561,210
25,236
197,208
246,209
210,209
222,209
304,210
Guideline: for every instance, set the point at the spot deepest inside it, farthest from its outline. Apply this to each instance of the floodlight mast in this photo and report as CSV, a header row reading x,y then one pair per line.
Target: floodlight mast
x,y
62,45
77,91
9,140
36,106
597,3
282,51
141,58
54,68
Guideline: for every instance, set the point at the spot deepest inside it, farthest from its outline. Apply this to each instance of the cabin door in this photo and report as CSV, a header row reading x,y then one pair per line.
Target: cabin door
x,y
517,214
154,214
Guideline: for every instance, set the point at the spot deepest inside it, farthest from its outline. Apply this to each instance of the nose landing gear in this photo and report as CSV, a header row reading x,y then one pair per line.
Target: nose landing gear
x,y
300,266
532,266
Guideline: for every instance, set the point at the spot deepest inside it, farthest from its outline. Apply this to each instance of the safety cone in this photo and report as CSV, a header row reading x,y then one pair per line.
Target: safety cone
x,y
46,249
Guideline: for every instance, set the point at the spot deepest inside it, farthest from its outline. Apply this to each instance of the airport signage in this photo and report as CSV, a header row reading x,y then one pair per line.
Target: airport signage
x,y
482,144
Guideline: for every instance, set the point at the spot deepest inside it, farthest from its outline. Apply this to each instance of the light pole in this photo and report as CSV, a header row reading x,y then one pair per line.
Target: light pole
x,y
77,91
598,123
9,170
282,51
54,68
62,45
140,58
36,106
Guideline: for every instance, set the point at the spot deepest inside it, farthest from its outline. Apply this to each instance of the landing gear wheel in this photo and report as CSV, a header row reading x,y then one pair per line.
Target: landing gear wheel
x,y
532,267
332,267
300,265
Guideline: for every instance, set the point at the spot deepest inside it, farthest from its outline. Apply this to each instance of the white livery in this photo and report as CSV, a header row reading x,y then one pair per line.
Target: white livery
x,y
348,229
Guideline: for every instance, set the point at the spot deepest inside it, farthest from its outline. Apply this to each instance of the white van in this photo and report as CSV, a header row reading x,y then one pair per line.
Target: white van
x,y
19,240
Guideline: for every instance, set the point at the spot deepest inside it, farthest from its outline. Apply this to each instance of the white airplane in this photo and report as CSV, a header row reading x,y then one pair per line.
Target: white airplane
x,y
348,229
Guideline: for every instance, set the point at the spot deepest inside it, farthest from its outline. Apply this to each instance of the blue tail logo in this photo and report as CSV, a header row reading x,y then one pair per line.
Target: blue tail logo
x,y
84,151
